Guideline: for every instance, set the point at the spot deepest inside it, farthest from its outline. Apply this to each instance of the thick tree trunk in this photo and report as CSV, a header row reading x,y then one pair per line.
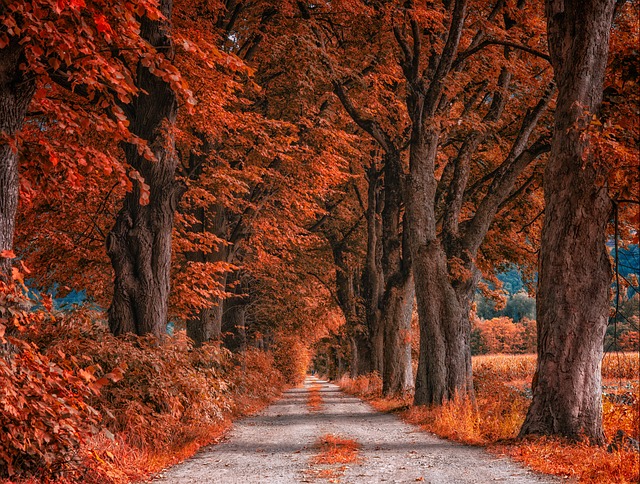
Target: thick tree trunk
x,y
398,372
575,273
139,244
444,366
396,303
15,95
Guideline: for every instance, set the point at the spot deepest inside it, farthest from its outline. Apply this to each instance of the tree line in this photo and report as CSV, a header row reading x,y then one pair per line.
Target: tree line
x,y
251,167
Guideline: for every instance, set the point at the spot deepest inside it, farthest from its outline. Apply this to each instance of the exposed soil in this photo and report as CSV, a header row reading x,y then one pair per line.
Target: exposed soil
x,y
280,445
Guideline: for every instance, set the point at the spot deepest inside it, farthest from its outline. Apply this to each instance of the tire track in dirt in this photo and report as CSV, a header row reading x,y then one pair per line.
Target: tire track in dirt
x,y
278,446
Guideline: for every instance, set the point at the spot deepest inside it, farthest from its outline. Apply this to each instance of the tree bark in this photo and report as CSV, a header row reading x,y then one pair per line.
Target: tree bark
x,y
207,324
372,276
575,273
139,245
444,365
396,303
234,316
397,378
360,355
16,92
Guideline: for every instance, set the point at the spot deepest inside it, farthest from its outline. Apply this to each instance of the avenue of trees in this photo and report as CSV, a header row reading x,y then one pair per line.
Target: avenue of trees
x,y
261,172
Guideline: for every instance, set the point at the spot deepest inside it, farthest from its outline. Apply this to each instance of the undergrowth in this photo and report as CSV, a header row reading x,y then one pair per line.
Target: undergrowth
x,y
80,405
502,384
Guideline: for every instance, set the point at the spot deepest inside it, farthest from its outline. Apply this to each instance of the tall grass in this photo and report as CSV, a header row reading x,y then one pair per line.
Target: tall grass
x,y
522,367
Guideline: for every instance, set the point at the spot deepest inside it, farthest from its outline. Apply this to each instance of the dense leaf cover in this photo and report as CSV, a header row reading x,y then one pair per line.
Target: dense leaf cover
x,y
296,134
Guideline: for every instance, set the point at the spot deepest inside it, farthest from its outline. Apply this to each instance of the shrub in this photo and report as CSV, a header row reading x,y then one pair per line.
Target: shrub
x,y
63,415
365,386
503,335
46,413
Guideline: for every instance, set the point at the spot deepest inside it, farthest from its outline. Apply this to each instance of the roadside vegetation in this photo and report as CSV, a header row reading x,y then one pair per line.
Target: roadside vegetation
x,y
503,394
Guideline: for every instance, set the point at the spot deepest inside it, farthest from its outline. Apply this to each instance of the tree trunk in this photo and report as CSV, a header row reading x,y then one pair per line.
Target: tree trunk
x,y
398,372
234,320
139,244
575,273
348,292
396,303
444,366
15,95
207,324
360,355
372,278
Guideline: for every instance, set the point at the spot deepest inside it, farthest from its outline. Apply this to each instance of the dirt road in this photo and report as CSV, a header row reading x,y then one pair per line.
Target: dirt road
x,y
279,446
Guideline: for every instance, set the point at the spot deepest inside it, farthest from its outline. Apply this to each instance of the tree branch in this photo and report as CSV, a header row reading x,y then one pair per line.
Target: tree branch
x,y
485,43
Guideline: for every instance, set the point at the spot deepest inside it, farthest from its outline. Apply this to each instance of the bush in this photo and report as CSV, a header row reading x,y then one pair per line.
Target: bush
x,y
46,413
503,335
63,415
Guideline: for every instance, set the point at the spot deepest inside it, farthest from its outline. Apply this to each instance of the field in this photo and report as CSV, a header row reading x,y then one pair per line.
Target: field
x,y
503,392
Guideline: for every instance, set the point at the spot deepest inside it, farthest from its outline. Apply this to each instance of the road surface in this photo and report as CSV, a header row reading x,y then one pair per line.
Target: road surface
x,y
279,446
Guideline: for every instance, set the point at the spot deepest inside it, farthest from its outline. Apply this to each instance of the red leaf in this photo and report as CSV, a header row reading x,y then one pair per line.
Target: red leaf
x,y
102,24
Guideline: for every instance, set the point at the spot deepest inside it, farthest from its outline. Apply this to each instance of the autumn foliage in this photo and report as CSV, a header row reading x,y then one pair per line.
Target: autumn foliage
x,y
78,401
503,335
268,187
503,392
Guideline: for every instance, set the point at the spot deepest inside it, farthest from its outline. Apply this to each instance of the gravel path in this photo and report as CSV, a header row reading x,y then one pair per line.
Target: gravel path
x,y
278,445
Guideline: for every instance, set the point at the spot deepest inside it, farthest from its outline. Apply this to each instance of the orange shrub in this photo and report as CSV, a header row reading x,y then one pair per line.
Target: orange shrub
x,y
254,378
45,414
162,400
630,341
503,335
365,386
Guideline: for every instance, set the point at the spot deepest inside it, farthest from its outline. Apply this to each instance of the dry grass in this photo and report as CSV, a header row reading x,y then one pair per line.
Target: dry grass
x,y
315,398
624,366
503,386
334,453
587,464
336,450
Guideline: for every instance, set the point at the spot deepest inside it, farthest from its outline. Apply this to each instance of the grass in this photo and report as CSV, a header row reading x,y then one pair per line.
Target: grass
x,y
334,453
315,398
336,450
615,366
503,389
